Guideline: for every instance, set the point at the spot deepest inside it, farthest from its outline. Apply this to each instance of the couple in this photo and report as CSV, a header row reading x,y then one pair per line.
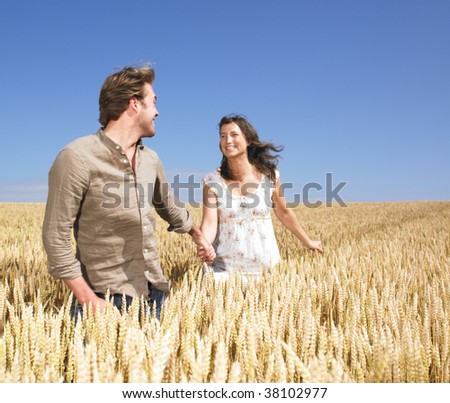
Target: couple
x,y
116,249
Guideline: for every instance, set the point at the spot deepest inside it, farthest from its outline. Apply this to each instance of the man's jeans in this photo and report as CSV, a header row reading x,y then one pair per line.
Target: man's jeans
x,y
155,301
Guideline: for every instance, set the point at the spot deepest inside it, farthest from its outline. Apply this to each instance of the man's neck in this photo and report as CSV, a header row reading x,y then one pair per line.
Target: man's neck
x,y
123,135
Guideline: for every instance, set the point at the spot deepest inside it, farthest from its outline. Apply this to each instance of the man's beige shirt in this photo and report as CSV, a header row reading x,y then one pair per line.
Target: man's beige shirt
x,y
93,189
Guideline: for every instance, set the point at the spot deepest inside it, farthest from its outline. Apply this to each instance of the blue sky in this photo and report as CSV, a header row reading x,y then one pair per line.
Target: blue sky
x,y
357,88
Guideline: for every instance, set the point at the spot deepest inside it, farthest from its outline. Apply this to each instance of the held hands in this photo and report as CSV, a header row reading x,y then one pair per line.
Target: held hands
x,y
204,249
207,254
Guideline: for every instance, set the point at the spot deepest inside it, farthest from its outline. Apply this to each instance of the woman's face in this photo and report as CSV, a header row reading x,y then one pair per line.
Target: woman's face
x,y
232,141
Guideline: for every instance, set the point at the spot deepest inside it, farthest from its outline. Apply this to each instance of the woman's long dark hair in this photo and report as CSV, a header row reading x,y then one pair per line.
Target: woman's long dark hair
x,y
259,152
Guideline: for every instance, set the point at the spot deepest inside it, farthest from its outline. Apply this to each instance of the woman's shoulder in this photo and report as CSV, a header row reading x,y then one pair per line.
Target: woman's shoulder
x,y
270,178
212,177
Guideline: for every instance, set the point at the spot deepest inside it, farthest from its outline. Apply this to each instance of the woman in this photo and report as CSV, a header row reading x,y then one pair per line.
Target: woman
x,y
237,201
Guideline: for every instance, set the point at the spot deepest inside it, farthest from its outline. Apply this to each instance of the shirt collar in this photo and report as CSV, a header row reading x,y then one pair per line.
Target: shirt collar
x,y
112,145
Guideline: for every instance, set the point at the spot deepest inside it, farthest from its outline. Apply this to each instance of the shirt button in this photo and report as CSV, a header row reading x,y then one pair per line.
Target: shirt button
x,y
145,227
145,250
117,147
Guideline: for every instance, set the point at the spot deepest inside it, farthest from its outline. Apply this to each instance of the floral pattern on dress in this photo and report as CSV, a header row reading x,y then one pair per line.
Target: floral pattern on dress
x,y
245,239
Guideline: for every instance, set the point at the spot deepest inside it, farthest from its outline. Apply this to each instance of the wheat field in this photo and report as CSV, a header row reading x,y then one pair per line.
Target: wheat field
x,y
375,307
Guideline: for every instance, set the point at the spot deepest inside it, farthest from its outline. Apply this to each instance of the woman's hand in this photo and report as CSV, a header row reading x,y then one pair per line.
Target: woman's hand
x,y
316,246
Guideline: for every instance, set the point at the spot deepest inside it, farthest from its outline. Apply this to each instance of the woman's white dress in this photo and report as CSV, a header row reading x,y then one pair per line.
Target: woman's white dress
x,y
245,240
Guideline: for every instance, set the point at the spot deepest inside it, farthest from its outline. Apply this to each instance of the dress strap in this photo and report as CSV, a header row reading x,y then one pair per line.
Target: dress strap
x,y
214,182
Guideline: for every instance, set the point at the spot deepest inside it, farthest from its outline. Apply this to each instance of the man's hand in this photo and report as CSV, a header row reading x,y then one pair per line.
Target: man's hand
x,y
84,294
204,250
98,304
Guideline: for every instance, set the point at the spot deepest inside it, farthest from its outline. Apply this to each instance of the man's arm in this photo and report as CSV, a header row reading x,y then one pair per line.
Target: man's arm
x,y
68,182
167,207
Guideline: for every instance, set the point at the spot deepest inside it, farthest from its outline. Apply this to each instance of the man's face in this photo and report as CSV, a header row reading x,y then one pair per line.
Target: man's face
x,y
148,112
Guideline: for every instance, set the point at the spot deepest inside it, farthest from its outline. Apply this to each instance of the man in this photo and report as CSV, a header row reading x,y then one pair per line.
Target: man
x,y
104,187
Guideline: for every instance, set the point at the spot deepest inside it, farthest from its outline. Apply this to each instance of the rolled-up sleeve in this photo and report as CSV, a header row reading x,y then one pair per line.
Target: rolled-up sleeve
x,y
68,182
167,207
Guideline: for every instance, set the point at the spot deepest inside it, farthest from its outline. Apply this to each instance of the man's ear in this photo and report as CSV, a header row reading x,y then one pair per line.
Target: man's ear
x,y
134,104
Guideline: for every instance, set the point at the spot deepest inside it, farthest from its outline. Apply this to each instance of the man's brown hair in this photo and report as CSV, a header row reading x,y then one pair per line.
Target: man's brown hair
x,y
119,88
